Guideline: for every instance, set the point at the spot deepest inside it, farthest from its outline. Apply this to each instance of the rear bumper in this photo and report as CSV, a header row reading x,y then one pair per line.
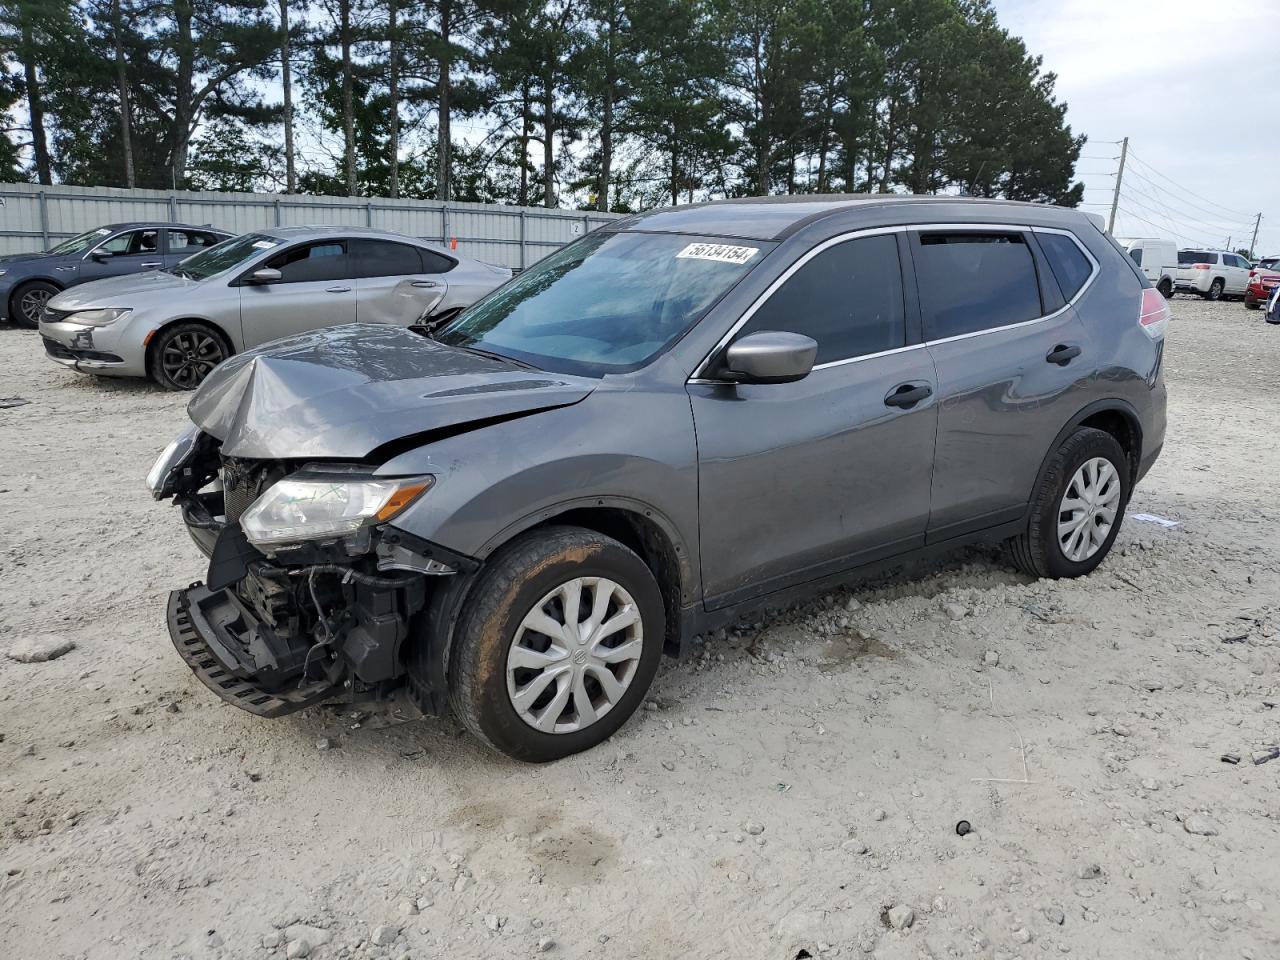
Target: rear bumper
x,y
218,636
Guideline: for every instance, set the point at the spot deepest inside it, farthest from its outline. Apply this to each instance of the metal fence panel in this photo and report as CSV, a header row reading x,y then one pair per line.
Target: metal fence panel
x,y
34,217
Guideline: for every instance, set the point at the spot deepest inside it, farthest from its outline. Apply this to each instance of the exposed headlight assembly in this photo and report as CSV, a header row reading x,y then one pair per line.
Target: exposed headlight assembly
x,y
314,506
99,318
160,479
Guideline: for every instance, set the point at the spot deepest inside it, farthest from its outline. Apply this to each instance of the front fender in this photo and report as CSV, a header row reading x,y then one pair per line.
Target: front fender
x,y
626,450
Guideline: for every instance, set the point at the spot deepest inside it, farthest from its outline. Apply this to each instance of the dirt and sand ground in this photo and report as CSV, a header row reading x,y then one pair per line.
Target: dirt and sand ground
x,y
792,790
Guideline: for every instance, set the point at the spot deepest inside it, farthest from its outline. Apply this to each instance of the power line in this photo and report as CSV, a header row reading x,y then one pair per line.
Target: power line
x,y
1227,209
1218,219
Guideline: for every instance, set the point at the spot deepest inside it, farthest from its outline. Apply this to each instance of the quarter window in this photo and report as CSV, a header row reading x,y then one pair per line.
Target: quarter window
x,y
975,281
1070,266
1135,255
848,298
314,262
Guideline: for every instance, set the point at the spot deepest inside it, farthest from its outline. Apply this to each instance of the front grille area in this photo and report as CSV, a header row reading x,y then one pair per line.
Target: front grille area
x,y
240,487
55,349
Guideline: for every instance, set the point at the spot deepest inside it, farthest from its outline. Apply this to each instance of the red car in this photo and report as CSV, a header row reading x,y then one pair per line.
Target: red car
x,y
1262,280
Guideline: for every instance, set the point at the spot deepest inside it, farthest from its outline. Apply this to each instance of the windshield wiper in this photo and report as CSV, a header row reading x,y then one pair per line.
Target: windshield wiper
x,y
496,356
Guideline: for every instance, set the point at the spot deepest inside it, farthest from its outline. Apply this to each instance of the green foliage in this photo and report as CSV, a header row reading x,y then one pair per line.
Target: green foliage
x,y
621,104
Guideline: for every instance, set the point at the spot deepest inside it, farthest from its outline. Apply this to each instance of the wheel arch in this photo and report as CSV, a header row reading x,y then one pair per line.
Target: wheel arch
x,y
642,528
153,337
1114,416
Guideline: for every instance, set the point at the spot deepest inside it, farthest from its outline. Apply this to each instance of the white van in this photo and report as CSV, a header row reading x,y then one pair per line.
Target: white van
x,y
1158,260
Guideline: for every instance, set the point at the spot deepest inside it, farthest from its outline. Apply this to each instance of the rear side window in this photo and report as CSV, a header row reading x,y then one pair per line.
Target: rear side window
x,y
385,258
317,261
975,281
1070,266
1186,257
189,241
848,298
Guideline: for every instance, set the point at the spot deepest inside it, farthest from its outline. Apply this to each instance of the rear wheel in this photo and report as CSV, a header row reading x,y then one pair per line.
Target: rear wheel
x,y
184,354
1215,290
1165,287
1251,303
27,302
1077,507
558,644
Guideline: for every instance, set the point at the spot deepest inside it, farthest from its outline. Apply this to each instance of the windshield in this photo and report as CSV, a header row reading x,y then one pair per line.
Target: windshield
x,y
81,243
606,303
223,256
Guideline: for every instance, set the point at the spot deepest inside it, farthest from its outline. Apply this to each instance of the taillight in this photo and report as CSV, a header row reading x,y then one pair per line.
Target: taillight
x,y
1154,314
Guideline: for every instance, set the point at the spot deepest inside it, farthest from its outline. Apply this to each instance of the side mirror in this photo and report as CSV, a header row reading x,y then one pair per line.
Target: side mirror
x,y
100,256
265,275
770,356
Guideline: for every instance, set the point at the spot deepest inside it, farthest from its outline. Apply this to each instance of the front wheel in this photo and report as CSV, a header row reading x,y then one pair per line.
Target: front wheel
x,y
558,643
28,302
184,354
1076,508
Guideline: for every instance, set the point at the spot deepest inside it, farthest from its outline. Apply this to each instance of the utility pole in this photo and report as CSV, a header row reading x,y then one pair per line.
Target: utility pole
x,y
1253,244
1115,199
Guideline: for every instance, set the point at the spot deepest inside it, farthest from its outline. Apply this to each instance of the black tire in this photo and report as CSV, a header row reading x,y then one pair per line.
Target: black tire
x,y
512,582
28,301
1252,304
1215,290
181,356
1037,550
1165,287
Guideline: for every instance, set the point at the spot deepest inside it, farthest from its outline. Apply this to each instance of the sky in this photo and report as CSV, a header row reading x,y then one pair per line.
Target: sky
x,y
1193,84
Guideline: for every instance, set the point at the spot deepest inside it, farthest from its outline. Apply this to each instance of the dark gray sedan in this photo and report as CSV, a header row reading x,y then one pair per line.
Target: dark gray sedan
x,y
29,280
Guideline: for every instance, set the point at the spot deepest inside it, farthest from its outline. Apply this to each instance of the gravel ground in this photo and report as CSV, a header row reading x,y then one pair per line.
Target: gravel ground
x,y
792,790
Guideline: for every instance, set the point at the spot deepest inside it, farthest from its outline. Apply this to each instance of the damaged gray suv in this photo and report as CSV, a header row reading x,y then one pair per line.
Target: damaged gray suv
x,y
676,419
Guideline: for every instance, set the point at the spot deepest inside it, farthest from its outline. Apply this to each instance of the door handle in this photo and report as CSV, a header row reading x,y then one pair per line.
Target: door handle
x,y
907,395
337,289
429,284
1062,354
155,264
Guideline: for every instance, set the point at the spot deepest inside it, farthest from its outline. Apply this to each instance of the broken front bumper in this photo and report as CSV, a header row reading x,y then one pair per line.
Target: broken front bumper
x,y
238,657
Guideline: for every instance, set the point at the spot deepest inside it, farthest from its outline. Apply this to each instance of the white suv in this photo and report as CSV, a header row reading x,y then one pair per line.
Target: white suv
x,y
1212,273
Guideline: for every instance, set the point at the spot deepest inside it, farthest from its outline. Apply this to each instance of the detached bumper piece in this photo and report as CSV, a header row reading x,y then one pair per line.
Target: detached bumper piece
x,y
227,648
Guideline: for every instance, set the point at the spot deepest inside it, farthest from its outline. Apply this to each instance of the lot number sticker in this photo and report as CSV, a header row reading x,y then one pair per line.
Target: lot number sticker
x,y
723,252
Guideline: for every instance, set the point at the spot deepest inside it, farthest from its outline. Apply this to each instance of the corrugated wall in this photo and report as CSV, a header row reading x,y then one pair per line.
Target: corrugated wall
x,y
34,217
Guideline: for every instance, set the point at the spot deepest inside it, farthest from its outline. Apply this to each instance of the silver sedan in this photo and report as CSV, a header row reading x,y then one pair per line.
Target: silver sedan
x,y
176,325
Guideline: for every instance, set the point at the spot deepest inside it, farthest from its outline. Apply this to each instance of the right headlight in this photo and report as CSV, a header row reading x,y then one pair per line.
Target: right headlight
x,y
316,507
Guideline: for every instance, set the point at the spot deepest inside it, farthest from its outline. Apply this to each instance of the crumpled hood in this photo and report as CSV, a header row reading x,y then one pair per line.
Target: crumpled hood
x,y
131,290
343,392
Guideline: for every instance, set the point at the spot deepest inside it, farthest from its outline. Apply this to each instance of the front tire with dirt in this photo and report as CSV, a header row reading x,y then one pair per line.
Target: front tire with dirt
x,y
557,644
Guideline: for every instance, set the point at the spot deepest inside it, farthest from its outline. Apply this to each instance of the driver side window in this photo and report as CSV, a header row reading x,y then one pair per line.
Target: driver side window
x,y
132,243
849,298
326,260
